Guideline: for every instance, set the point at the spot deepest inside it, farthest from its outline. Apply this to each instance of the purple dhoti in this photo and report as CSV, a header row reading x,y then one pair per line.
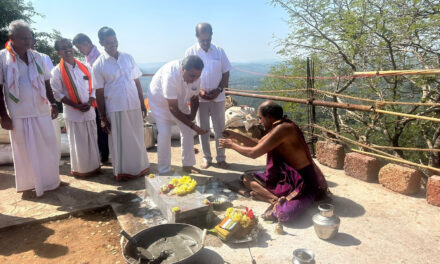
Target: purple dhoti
x,y
300,187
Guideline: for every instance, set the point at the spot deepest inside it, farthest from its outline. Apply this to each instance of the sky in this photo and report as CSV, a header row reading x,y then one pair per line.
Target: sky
x,y
161,30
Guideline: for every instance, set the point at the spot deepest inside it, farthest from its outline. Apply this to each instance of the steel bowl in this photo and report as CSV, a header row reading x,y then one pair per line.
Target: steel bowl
x,y
219,201
303,256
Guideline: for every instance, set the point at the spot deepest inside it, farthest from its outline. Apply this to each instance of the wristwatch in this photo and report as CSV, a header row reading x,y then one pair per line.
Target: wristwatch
x,y
53,104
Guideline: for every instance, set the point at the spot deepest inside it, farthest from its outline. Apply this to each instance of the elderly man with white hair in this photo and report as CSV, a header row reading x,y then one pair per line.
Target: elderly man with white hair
x,y
26,107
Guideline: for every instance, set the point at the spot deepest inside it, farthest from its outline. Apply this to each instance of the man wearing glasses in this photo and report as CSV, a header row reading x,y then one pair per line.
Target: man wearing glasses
x,y
214,79
72,85
121,107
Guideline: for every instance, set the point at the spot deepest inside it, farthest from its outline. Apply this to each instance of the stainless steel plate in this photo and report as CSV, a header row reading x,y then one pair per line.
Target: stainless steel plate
x,y
218,199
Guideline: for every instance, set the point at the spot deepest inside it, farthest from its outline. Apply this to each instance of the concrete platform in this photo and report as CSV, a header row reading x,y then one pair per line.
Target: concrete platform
x,y
192,209
377,225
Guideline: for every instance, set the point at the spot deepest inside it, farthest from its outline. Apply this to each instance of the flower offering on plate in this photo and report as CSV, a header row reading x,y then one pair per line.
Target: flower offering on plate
x,y
237,224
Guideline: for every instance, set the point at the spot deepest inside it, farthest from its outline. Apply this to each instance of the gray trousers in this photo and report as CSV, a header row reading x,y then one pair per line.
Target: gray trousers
x,y
217,112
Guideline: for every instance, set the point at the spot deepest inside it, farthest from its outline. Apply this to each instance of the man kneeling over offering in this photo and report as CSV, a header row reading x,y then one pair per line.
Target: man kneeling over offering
x,y
292,181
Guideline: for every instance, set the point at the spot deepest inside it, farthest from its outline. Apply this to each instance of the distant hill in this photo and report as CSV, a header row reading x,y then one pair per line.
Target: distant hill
x,y
237,80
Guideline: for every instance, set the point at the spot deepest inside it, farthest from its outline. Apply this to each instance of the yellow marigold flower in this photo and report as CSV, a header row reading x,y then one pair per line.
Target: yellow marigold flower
x,y
245,221
236,217
151,175
229,212
175,209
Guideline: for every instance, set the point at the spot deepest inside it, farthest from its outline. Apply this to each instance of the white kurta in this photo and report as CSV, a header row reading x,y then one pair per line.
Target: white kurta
x,y
33,139
216,63
126,139
168,83
81,126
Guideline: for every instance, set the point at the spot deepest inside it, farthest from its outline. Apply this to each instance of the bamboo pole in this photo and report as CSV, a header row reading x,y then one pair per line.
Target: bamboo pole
x,y
365,108
398,72
386,156
355,107
398,160
352,141
407,115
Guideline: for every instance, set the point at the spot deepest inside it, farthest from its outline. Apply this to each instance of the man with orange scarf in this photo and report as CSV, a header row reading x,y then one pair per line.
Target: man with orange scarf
x,y
72,85
26,108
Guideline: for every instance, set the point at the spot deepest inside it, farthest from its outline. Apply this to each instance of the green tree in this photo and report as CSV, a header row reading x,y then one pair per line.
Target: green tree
x,y
11,10
368,35
45,44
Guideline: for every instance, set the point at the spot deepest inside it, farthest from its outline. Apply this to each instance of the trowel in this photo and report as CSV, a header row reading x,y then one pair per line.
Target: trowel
x,y
142,252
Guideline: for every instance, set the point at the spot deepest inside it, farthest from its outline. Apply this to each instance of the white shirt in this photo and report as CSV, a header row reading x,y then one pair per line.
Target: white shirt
x,y
82,88
215,65
31,104
47,61
168,83
116,77
93,55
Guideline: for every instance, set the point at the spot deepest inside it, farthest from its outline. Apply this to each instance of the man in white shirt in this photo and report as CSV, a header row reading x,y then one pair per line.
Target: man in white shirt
x,y
25,86
72,85
214,79
172,87
83,43
115,76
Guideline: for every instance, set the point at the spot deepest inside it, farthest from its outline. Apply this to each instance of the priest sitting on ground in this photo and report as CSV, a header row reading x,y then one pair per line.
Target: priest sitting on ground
x,y
72,85
292,181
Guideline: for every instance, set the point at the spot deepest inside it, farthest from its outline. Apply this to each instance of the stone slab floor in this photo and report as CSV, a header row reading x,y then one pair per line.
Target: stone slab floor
x,y
377,225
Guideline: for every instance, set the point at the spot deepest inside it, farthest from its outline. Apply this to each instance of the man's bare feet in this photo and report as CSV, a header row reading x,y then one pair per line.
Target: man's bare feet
x,y
205,164
222,164
258,197
190,169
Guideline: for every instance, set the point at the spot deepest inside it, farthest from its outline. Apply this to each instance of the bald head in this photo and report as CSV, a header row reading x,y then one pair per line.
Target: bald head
x,y
203,28
271,109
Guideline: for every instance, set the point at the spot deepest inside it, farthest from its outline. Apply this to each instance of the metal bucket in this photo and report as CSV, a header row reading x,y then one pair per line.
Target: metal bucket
x,y
151,235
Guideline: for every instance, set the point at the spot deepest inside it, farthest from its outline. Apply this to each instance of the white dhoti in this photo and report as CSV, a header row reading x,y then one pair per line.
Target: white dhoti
x,y
217,112
35,154
164,125
83,144
127,144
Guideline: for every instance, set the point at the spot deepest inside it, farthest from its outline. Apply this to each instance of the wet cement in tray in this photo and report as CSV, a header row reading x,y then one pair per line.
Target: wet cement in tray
x,y
179,246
